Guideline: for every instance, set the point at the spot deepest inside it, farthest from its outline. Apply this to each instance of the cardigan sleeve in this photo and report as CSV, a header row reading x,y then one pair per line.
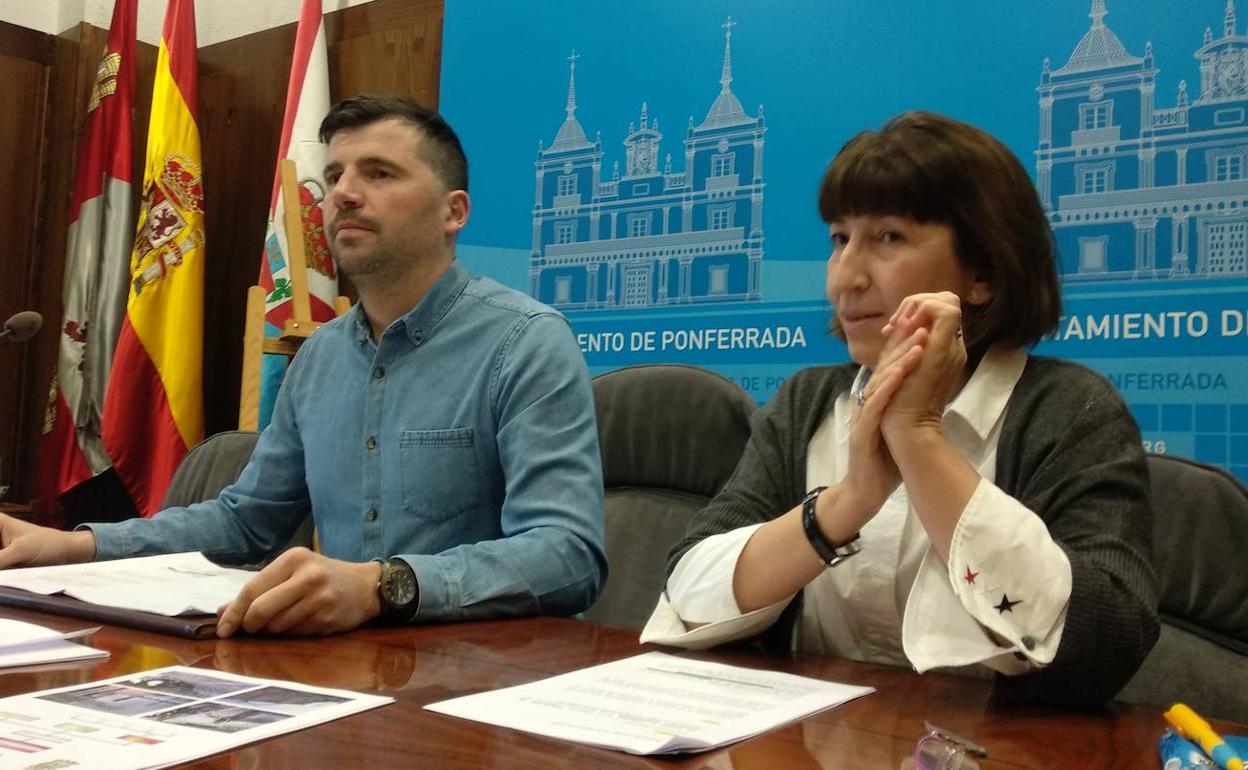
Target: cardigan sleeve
x,y
1072,453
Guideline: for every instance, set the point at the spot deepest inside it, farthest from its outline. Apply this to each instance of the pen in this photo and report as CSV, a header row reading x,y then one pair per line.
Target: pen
x,y
1192,727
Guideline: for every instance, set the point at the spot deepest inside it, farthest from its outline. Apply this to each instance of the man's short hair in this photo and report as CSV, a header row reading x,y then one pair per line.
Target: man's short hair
x,y
935,169
444,154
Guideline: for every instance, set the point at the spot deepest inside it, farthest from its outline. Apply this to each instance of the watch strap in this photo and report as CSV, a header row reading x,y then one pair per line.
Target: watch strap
x,y
829,553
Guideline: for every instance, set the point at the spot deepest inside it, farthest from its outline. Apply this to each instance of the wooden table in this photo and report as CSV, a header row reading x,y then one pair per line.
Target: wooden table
x,y
421,665
17,510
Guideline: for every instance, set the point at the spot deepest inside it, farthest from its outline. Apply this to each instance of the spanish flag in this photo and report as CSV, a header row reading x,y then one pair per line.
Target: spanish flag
x,y
153,412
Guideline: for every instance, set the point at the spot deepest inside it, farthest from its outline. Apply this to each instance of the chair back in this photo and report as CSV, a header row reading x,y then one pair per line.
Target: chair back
x,y
671,436
211,465
1200,533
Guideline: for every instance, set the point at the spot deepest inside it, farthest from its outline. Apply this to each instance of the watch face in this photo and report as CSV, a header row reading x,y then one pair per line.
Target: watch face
x,y
398,587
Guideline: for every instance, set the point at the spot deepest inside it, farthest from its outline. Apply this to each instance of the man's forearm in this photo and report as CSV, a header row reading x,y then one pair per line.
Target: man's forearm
x,y
544,570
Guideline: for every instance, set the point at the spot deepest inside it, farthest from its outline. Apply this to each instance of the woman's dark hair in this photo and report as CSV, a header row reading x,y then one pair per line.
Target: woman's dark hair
x,y
937,170
443,152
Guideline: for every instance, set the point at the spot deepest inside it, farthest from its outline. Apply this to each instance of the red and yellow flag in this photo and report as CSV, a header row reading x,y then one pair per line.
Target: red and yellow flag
x,y
100,238
307,102
153,412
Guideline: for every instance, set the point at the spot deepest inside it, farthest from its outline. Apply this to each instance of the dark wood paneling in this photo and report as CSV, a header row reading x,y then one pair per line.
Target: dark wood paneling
x,y
382,46
388,46
27,44
23,91
242,93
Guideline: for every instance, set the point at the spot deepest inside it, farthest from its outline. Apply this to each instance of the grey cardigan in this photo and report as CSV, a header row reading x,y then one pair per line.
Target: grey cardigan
x,y
1069,451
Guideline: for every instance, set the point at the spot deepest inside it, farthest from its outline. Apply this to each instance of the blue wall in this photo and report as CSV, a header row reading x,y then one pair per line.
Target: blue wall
x,y
1149,203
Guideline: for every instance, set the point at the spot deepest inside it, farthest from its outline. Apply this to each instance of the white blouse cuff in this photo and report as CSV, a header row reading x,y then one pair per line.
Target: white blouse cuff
x,y
699,609
1002,598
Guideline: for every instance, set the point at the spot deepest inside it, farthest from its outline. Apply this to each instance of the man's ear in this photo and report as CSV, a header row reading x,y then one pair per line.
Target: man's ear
x,y
458,205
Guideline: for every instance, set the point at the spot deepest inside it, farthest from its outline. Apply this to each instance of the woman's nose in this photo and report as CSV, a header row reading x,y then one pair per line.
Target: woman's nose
x,y
845,269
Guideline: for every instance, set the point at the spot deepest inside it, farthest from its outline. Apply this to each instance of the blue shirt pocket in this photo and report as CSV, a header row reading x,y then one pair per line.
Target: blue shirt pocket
x,y
439,472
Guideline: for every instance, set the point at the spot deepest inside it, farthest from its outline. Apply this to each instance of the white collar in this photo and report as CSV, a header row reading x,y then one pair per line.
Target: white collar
x,y
981,402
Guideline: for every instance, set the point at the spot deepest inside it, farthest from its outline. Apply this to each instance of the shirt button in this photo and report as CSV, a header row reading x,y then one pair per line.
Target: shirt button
x,y
1028,642
371,443
418,336
370,514
379,372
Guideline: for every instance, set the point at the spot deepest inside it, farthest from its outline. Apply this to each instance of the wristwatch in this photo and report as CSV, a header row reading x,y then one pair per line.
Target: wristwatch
x,y
398,591
831,554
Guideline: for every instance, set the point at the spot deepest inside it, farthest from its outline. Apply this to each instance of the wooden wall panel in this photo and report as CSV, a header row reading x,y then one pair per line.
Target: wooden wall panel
x,y
387,47
24,73
382,46
242,92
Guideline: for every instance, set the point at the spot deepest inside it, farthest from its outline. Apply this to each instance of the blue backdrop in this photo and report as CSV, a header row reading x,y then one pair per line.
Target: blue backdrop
x,y
650,168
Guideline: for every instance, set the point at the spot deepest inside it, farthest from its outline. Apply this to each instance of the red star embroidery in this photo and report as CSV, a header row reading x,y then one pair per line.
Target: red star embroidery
x,y
970,576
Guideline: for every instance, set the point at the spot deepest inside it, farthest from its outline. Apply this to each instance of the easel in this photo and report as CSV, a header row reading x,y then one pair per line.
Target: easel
x,y
298,327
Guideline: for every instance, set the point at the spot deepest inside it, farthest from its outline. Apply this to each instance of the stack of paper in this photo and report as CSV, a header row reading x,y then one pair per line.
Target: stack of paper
x,y
654,704
171,584
26,644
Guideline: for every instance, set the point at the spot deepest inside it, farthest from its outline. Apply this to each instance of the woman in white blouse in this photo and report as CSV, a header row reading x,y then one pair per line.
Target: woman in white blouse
x,y
946,500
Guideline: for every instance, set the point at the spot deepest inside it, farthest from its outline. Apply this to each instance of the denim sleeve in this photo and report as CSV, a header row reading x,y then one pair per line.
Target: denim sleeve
x,y
550,559
248,522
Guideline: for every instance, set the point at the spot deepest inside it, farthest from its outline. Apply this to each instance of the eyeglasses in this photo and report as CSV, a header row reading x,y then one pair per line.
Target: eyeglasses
x,y
941,749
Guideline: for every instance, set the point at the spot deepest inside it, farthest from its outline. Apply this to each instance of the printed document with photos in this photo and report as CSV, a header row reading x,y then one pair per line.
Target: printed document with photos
x,y
159,718
654,703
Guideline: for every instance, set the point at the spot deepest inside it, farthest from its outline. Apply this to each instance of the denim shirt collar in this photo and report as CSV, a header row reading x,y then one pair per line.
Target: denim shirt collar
x,y
420,321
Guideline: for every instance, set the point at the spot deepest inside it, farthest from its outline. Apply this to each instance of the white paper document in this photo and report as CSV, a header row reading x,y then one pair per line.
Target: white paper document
x,y
654,704
172,584
27,644
159,718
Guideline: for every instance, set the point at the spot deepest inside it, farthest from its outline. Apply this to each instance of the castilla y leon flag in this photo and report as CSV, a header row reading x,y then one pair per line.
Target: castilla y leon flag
x,y
101,232
153,412
307,101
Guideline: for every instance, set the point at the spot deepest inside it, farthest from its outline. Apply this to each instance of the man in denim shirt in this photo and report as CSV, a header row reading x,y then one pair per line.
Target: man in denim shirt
x,y
442,432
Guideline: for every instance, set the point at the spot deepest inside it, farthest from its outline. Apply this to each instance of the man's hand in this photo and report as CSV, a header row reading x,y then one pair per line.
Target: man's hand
x,y
304,593
23,544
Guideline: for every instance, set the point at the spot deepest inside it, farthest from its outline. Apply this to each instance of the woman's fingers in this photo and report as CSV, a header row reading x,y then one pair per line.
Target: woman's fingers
x,y
885,383
891,353
941,311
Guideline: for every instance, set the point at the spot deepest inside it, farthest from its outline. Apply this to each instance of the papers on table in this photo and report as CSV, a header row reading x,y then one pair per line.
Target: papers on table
x,y
160,718
26,644
173,584
654,704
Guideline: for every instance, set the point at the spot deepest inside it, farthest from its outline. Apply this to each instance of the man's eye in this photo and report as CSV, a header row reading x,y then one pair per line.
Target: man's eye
x,y
891,236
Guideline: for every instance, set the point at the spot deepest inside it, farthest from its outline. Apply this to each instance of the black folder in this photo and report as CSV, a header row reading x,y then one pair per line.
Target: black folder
x,y
186,626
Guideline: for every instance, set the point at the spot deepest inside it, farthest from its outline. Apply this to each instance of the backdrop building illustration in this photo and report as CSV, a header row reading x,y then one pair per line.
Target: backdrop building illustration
x,y
644,235
1135,190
